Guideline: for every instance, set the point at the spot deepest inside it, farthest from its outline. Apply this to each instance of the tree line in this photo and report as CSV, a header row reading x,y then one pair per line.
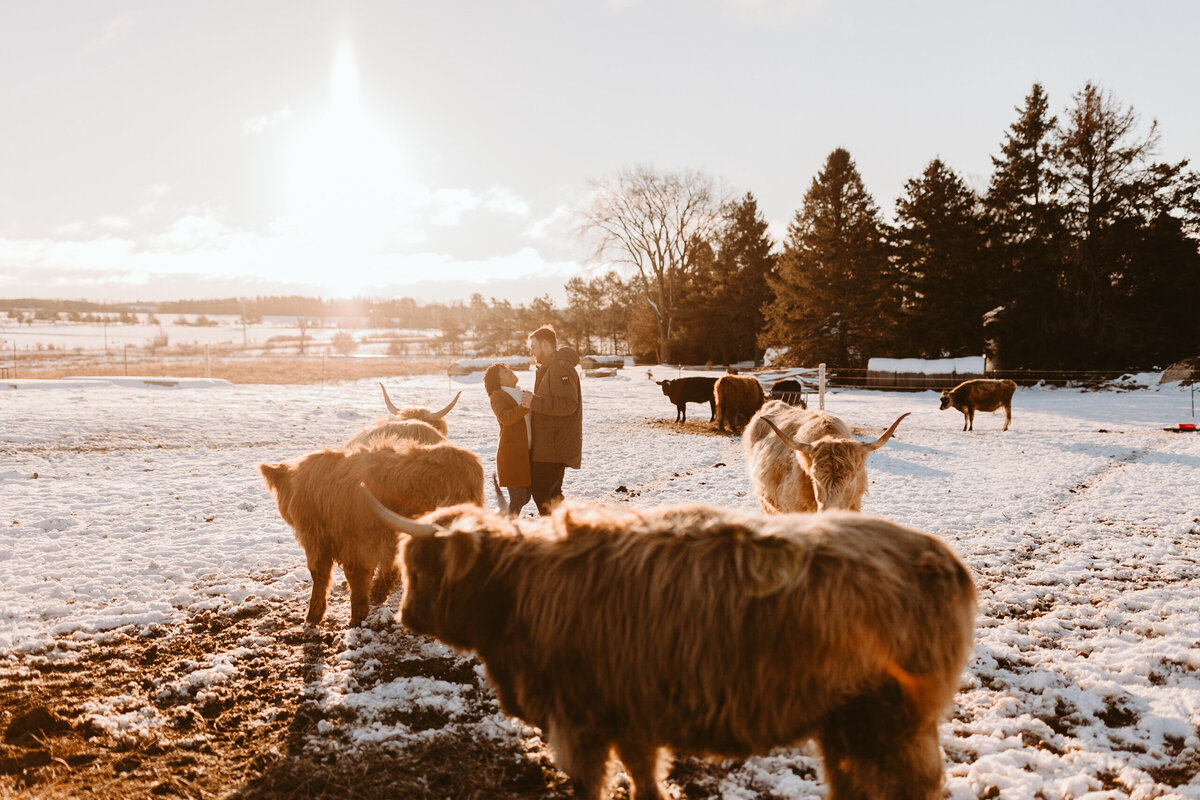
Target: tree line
x,y
1082,253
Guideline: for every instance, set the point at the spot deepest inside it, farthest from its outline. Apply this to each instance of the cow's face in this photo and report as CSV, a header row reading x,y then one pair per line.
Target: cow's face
x,y
838,471
945,399
666,387
446,578
438,588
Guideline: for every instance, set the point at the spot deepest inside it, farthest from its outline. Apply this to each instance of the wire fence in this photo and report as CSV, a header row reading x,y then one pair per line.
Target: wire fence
x,y
918,382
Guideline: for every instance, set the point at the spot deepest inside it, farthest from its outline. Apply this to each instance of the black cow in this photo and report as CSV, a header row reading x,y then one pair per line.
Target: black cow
x,y
690,390
790,391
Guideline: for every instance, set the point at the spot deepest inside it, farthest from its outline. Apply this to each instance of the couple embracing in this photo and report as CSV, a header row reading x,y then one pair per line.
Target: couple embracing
x,y
541,432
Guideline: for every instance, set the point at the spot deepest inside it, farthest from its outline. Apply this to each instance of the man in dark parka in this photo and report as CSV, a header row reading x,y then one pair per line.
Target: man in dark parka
x,y
557,406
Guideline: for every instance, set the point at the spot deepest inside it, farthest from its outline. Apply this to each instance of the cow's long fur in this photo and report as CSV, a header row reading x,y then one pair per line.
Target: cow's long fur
x,y
981,394
738,397
706,631
319,496
392,433
832,475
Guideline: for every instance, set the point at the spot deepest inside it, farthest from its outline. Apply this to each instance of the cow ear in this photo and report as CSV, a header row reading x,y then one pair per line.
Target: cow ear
x,y
460,551
275,475
767,564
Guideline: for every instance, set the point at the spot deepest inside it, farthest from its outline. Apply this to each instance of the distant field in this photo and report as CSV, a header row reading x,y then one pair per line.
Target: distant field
x,y
268,351
283,369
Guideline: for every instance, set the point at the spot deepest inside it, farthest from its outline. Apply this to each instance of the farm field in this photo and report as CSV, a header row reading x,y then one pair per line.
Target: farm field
x,y
151,598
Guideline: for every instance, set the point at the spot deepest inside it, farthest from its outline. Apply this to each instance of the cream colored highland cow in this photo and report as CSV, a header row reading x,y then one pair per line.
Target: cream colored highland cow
x,y
802,460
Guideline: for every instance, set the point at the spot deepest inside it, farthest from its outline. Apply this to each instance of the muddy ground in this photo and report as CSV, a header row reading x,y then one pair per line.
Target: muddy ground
x,y
262,729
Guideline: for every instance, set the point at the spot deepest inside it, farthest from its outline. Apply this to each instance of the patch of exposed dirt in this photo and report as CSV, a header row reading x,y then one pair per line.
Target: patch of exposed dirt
x,y
223,706
230,706
700,428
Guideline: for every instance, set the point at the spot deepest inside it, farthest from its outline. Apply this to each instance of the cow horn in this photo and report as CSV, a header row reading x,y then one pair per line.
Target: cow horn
x,y
446,410
395,521
499,495
882,440
803,447
388,400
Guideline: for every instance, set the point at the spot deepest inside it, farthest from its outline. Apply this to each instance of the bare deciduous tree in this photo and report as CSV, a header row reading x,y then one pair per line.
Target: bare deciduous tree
x,y
653,222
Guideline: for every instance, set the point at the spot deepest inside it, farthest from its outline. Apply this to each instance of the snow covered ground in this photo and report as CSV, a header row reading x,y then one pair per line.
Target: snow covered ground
x,y
128,505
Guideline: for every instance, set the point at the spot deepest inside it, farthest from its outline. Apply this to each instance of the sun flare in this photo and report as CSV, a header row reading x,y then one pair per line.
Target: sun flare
x,y
346,175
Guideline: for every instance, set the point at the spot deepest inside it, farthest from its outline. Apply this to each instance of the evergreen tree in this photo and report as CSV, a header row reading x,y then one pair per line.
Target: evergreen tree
x,y
834,297
939,246
1026,249
744,259
1117,201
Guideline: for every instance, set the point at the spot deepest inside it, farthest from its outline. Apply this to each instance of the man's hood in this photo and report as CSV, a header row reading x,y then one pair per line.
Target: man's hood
x,y
568,355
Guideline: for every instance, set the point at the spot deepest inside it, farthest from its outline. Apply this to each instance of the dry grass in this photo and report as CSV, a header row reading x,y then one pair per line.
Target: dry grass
x,y
278,370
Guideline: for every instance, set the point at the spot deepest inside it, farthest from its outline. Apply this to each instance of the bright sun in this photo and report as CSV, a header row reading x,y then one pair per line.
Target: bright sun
x,y
346,178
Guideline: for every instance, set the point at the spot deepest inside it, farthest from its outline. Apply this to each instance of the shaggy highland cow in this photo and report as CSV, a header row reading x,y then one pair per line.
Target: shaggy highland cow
x,y
435,418
319,496
801,460
704,631
738,397
389,433
413,424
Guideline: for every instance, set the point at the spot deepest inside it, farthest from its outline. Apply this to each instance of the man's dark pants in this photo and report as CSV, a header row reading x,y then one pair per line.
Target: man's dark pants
x,y
546,479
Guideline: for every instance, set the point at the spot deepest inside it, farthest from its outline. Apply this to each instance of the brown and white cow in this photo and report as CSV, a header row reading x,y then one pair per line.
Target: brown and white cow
x,y
981,394
701,630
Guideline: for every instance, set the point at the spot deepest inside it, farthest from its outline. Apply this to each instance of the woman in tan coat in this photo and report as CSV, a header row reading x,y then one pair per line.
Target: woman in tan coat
x,y
516,435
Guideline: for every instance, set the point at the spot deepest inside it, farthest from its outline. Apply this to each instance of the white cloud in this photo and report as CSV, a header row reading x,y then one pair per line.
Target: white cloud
x,y
450,205
89,228
117,27
199,249
505,201
557,219
114,223
264,122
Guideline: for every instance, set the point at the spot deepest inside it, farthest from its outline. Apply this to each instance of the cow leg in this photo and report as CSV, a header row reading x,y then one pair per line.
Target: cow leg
x,y
359,578
386,573
1007,416
876,747
681,412
712,410
644,770
320,565
581,755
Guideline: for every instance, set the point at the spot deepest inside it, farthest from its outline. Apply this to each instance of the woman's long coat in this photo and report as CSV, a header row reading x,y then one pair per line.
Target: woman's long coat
x,y
512,454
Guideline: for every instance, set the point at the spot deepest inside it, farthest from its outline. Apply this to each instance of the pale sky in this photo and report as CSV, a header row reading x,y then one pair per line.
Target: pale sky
x,y
162,150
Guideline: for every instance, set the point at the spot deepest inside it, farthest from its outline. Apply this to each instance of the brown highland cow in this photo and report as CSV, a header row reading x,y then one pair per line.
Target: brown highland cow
x,y
320,497
705,631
